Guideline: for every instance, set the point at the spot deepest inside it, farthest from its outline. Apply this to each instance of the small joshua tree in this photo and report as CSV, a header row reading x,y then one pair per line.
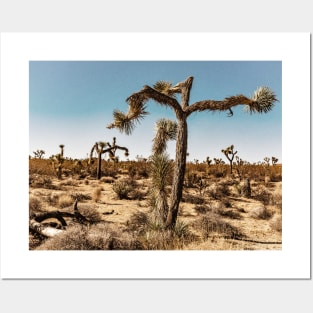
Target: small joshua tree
x,y
230,154
39,153
57,162
208,161
274,160
99,148
218,161
164,93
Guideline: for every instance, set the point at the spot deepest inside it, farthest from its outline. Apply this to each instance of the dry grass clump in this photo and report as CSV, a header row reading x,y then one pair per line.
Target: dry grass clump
x,y
233,214
95,237
212,224
202,209
219,190
90,213
261,212
35,205
123,187
261,193
41,181
193,199
96,195
80,196
65,200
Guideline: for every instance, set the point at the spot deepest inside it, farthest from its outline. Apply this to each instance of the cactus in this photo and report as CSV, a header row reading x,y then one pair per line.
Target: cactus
x,y
230,154
99,148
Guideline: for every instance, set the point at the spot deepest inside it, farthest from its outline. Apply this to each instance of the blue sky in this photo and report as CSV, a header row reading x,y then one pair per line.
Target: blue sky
x,y
72,102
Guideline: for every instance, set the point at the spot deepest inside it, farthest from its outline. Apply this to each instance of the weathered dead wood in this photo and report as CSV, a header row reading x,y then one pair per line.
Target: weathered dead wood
x,y
107,213
40,217
36,225
41,229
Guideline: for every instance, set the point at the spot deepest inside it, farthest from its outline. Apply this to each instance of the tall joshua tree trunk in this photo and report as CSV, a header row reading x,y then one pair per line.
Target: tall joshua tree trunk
x,y
164,94
179,172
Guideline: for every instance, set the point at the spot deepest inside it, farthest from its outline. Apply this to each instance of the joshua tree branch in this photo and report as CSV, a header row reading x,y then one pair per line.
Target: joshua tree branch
x,y
215,105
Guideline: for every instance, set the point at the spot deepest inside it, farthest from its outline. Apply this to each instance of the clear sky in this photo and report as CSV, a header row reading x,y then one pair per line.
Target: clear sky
x,y
72,102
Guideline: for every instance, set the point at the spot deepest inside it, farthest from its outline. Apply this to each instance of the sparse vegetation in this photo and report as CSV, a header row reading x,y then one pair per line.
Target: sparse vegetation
x,y
218,217
156,203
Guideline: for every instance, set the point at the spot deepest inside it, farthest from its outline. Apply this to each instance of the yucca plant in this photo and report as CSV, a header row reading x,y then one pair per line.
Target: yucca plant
x,y
161,170
164,94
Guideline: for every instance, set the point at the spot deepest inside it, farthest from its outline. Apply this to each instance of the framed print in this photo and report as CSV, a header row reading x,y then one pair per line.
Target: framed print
x,y
155,155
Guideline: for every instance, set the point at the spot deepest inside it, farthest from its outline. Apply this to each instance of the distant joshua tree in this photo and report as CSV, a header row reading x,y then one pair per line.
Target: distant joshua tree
x,y
267,161
274,160
164,94
230,154
57,162
208,161
99,148
218,161
39,153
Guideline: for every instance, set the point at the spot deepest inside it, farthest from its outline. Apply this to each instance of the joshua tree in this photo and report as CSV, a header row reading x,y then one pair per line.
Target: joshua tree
x,y
208,161
164,94
99,147
218,161
57,162
267,161
274,160
230,154
39,153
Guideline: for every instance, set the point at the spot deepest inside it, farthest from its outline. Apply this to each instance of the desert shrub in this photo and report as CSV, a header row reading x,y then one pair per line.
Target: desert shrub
x,y
202,208
229,213
260,193
80,196
211,223
168,239
261,212
95,237
138,222
191,179
193,199
219,190
35,205
122,188
90,213
53,198
41,181
277,200
65,200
